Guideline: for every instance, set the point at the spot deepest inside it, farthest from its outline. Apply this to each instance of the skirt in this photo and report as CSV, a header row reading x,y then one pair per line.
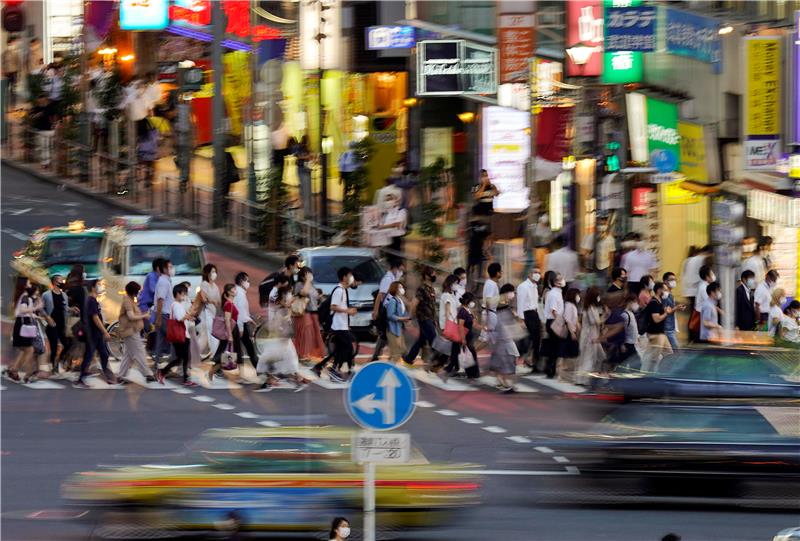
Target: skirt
x,y
307,337
19,341
503,363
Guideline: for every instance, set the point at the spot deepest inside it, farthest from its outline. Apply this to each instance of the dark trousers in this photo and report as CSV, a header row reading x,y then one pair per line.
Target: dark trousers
x,y
54,336
342,350
534,326
246,340
181,357
380,343
427,334
94,344
553,349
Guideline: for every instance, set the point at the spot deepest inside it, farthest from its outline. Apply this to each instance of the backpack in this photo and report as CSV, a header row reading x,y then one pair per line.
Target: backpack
x,y
147,294
641,321
265,288
382,321
324,312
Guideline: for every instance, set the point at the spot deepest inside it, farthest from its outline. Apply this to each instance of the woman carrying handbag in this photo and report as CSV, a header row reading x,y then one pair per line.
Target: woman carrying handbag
x,y
448,323
226,330
466,322
25,331
307,334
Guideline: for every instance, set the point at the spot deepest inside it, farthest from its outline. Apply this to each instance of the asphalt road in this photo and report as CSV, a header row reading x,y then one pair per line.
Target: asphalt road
x,y
48,434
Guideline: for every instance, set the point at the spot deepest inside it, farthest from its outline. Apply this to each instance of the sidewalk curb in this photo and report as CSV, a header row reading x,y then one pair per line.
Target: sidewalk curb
x,y
270,258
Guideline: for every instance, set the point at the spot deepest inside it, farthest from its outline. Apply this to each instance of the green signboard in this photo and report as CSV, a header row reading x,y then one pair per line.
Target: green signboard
x,y
662,128
622,67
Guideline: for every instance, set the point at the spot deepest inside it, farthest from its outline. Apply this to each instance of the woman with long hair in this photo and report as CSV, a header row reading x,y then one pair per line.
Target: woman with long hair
x,y
340,529
448,313
25,309
591,355
570,348
397,315
131,325
209,303
232,340
466,322
307,334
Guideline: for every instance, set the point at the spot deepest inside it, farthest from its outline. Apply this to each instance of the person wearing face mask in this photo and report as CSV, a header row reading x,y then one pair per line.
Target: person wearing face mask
x,y
776,310
709,312
668,300
307,335
245,322
746,318
639,262
394,274
763,296
56,311
646,285
598,250
504,333
210,300
707,277
397,317
760,262
97,336
24,316
163,308
279,355
394,223
570,347
655,314
131,324
460,287
491,290
592,355
619,277
424,310
789,335
340,529
528,313
553,310
340,324
448,315
466,322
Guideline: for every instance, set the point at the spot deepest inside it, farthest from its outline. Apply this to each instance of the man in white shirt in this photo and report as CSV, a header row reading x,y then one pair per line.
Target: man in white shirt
x,y
638,263
553,308
245,322
707,277
491,291
528,312
690,279
394,274
340,324
763,295
563,260
163,307
758,262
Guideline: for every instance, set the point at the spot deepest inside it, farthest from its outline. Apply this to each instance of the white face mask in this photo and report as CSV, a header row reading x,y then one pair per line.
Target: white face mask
x,y
578,299
602,228
651,284
463,282
665,295
289,298
344,532
100,289
399,274
401,291
246,284
672,284
782,300
751,283
212,276
560,283
535,277
635,307
510,296
712,277
472,304
310,277
350,280
172,271
599,300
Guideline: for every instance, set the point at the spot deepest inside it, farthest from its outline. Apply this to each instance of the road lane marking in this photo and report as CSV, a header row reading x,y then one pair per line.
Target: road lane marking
x,y
322,382
494,429
182,390
518,439
573,470
246,415
545,450
224,407
14,233
447,413
269,424
561,459
560,386
435,381
203,398
471,421
43,385
508,472
491,381
424,404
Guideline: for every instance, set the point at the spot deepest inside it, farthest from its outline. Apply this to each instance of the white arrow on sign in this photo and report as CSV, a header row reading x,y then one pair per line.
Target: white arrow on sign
x,y
368,404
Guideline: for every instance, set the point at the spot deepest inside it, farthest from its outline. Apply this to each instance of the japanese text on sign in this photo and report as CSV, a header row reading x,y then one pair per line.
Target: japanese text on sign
x,y
381,448
630,29
694,36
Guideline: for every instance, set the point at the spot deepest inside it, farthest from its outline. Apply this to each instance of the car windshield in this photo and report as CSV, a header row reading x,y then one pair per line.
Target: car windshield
x,y
366,268
76,249
187,260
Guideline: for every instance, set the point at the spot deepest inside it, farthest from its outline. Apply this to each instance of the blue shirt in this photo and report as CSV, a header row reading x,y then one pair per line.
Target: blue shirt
x,y
669,322
395,309
707,313
148,293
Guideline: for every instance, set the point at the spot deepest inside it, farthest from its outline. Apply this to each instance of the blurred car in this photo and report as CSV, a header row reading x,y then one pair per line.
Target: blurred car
x,y
325,263
715,373
288,479
54,250
735,455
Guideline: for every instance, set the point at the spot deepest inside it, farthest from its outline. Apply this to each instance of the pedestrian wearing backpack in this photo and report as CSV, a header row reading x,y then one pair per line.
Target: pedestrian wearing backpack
x,y
340,326
394,274
291,267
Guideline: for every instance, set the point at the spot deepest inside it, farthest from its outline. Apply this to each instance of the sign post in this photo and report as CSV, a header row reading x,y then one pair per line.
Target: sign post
x,y
380,398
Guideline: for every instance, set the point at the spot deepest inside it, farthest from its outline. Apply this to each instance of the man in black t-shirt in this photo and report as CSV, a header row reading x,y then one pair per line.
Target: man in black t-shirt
x,y
57,309
655,314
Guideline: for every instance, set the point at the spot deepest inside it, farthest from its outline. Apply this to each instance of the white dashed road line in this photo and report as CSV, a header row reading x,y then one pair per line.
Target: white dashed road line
x,y
246,415
424,404
518,439
494,429
471,421
269,424
545,450
224,407
447,413
203,398
561,459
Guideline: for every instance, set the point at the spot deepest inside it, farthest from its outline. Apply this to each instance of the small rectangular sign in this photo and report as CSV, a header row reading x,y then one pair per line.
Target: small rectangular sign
x,y
630,29
390,37
382,448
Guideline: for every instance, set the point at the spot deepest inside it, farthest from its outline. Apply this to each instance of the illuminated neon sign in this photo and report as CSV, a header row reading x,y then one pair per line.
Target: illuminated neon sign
x,y
197,13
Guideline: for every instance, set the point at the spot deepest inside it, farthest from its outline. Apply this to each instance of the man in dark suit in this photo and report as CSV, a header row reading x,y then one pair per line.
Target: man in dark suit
x,y
745,306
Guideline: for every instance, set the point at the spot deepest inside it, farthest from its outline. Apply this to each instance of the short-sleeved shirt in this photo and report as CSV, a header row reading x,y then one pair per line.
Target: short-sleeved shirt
x,y
613,288
763,297
491,292
702,295
554,302
164,291
230,307
669,321
467,317
708,312
774,313
638,263
631,328
340,320
614,318
93,309
652,308
387,280
426,303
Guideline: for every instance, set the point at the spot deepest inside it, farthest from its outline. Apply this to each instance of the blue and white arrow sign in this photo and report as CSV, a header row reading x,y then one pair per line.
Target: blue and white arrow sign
x,y
381,397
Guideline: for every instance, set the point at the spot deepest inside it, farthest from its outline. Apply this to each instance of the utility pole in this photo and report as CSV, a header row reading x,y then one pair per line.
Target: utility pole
x,y
323,215
218,22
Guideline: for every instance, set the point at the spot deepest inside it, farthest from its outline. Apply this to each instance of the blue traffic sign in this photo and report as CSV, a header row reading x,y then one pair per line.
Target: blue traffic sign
x,y
381,397
664,160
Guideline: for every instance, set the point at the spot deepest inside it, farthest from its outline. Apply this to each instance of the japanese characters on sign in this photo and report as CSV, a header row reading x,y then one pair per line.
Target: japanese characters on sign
x,y
694,36
630,29
516,41
390,37
585,28
388,448
621,67
763,102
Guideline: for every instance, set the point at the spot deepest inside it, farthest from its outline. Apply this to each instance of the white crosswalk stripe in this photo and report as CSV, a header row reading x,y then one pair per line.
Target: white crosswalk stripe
x,y
556,385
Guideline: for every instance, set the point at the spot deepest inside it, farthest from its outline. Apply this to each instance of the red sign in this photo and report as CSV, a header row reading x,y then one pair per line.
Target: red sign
x,y
639,201
516,39
194,12
237,13
554,133
585,30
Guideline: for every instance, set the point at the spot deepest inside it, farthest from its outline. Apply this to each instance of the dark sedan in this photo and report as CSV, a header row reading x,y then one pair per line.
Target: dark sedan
x,y
715,373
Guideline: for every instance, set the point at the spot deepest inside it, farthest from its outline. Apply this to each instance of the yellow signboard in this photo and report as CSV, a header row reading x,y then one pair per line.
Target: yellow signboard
x,y
693,151
674,194
236,87
763,98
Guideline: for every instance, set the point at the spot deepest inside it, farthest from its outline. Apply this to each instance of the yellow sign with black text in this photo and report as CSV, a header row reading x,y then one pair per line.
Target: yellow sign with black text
x,y
693,151
763,98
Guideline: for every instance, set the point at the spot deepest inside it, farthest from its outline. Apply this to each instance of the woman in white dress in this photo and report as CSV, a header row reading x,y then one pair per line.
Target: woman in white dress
x,y
591,355
211,300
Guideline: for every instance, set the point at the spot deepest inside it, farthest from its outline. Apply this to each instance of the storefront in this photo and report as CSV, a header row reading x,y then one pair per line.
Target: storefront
x,y
779,217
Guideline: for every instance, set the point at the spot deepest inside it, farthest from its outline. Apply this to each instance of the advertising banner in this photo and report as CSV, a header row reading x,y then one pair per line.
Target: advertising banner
x,y
694,36
236,87
636,105
585,28
143,14
515,37
554,133
622,67
630,29
506,150
796,86
762,102
693,151
453,67
662,128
